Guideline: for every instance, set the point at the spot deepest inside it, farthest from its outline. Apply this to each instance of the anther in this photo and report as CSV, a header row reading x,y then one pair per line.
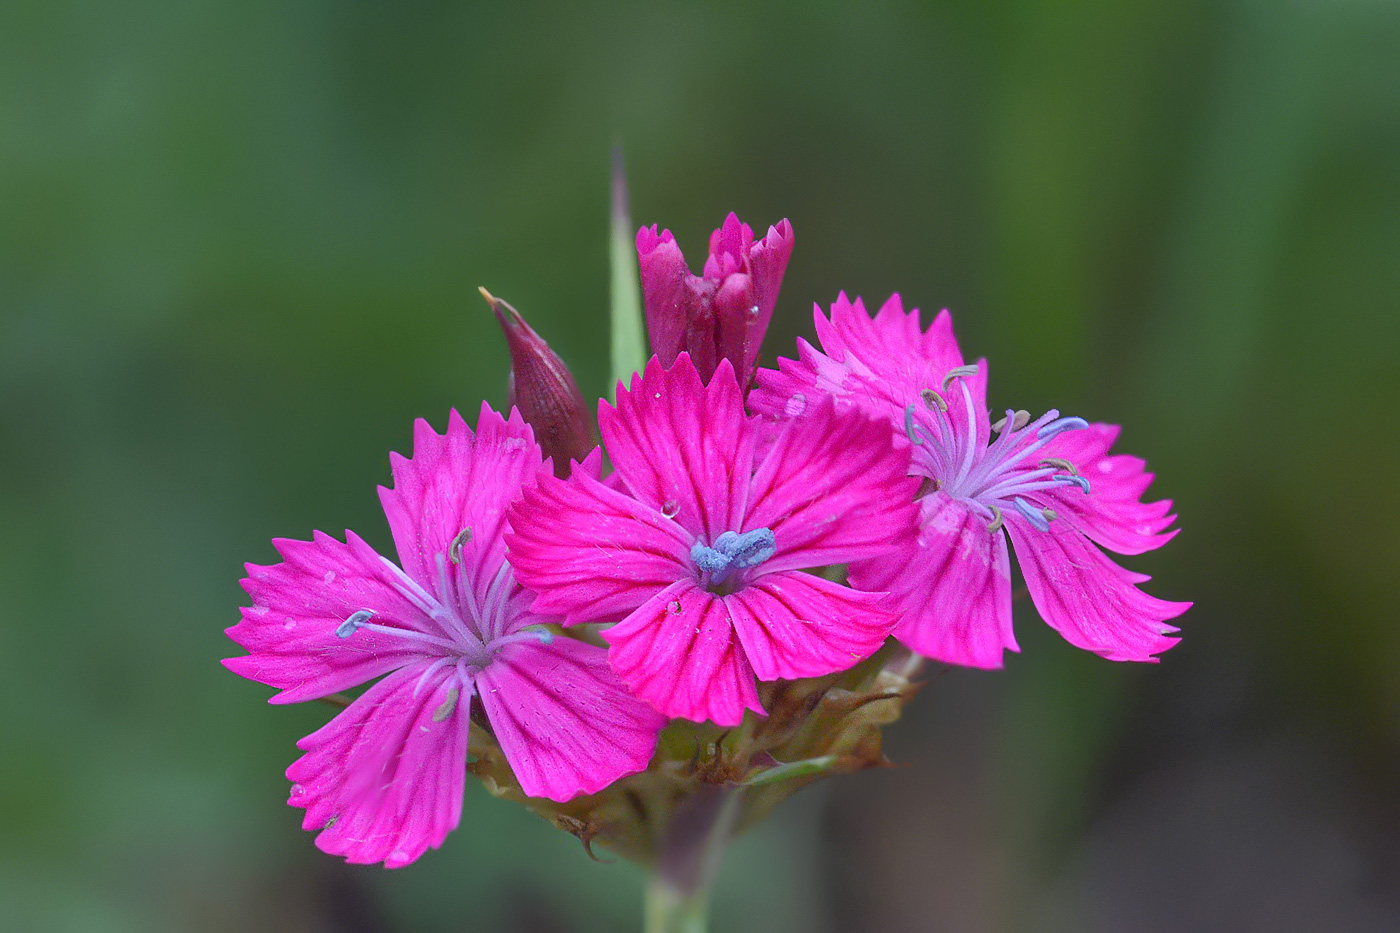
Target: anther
x,y
748,549
933,400
357,618
957,372
1019,419
928,486
909,426
732,550
995,525
448,705
1032,514
1060,463
454,551
1061,424
1079,481
708,559
1049,514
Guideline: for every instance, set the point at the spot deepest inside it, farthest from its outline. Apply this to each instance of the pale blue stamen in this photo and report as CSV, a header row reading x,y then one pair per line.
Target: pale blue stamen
x,y
358,621
1033,515
909,427
348,627
1079,481
733,551
1064,424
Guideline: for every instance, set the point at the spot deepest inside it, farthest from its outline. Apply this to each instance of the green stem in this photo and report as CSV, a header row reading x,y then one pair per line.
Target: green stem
x,y
678,895
669,911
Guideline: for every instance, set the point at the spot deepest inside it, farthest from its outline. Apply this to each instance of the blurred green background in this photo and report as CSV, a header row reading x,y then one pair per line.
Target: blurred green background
x,y
239,251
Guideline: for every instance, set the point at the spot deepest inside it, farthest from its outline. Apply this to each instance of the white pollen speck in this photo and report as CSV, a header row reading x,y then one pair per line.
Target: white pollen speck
x,y
795,405
289,624
330,576
1105,466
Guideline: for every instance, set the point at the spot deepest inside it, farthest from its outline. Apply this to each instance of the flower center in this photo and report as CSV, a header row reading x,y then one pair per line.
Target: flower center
x,y
731,551
464,624
999,475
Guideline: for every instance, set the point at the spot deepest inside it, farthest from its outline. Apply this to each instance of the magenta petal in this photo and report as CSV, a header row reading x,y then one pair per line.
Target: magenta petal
x,y
881,364
679,652
454,482
289,631
1113,514
565,721
664,289
798,625
1088,598
768,260
832,488
683,448
591,552
735,321
383,780
953,587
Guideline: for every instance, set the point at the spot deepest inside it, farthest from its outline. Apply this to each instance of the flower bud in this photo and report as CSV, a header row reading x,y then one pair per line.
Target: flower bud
x,y
544,391
722,314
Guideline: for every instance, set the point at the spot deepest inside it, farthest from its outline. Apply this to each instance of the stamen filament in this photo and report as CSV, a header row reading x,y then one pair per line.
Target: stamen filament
x,y
1032,514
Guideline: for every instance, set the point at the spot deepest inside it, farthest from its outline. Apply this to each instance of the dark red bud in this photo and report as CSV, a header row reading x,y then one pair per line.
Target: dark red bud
x,y
544,390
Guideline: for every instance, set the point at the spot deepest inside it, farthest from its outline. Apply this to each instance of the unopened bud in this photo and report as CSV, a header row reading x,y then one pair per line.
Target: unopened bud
x,y
723,313
544,390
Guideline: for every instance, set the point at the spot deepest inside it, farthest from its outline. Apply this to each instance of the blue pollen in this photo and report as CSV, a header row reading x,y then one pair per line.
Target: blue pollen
x,y
1062,424
1033,515
358,618
909,426
1079,481
733,551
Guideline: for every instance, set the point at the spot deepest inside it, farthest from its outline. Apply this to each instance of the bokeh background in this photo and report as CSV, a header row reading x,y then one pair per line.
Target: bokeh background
x,y
239,251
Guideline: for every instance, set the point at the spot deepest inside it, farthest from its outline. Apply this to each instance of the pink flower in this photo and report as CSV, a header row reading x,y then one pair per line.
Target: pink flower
x,y
701,557
382,782
1048,482
723,314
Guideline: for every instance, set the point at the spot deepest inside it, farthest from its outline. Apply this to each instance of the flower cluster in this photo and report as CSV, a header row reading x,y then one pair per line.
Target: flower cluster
x,y
760,530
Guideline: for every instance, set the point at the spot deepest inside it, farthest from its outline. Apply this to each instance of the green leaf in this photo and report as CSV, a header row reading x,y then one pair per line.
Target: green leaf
x,y
629,352
794,769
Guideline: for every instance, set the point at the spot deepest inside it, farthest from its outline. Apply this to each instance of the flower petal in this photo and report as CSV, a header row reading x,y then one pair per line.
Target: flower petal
x,y
565,721
1088,598
665,291
680,654
881,364
748,276
953,586
683,448
290,630
383,780
798,625
454,482
591,552
768,260
1113,514
833,488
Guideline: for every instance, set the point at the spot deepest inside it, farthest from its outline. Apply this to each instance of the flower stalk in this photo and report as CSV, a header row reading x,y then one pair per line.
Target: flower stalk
x,y
678,895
